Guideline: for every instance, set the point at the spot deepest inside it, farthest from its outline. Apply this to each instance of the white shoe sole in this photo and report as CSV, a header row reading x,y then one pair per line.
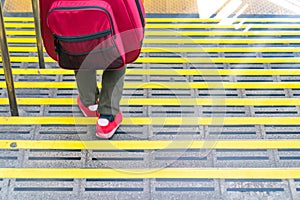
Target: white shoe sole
x,y
84,113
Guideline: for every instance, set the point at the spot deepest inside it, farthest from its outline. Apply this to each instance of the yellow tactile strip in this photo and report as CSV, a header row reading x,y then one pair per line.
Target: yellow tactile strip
x,y
155,121
168,101
220,173
149,145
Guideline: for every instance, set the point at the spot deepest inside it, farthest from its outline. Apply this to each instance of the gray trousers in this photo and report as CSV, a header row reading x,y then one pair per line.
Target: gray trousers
x,y
111,91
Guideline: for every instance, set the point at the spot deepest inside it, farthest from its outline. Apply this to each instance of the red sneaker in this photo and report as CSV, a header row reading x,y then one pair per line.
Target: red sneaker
x,y
105,128
90,111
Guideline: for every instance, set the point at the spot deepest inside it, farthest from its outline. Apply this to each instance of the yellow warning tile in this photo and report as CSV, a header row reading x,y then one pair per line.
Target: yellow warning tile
x,y
186,6
156,6
171,6
17,6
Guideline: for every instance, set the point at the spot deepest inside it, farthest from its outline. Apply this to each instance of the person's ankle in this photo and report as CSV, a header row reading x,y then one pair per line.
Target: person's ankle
x,y
109,117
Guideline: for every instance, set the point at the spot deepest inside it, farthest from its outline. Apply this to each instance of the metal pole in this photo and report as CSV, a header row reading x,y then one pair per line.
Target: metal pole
x,y
36,15
7,68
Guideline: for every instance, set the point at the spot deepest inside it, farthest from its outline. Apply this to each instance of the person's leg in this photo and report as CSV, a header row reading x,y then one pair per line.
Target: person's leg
x,y
88,92
87,86
109,103
111,92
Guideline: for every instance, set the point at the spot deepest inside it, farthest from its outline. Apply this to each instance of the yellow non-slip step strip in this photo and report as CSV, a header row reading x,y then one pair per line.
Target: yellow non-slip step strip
x,y
217,173
219,49
216,20
160,121
172,72
149,145
189,33
220,41
239,32
191,49
187,40
168,85
168,60
215,26
189,26
154,20
168,101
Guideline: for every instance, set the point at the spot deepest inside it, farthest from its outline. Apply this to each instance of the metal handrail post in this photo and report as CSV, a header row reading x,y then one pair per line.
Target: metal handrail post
x,y
7,68
36,15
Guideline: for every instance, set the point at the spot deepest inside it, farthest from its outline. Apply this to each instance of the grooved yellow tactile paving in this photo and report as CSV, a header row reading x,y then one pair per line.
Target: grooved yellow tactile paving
x,y
184,20
171,6
219,173
171,72
156,6
149,145
168,85
168,101
161,121
186,6
184,60
17,6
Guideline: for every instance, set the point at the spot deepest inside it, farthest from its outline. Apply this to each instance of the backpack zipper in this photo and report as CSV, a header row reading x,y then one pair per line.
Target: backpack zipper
x,y
82,37
84,53
83,8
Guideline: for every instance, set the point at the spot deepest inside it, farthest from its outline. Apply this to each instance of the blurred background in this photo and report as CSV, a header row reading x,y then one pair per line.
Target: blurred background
x,y
281,7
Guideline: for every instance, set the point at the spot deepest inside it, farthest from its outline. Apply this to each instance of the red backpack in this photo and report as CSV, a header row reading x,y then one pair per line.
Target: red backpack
x,y
92,34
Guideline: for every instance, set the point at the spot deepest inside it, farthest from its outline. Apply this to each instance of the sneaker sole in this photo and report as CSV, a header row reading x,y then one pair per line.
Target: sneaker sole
x,y
83,110
107,135
85,113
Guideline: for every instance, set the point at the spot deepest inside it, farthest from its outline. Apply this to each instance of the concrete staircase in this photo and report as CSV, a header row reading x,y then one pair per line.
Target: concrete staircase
x,y
211,111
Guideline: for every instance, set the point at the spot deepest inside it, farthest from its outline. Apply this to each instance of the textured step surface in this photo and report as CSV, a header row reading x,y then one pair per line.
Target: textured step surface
x,y
223,129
